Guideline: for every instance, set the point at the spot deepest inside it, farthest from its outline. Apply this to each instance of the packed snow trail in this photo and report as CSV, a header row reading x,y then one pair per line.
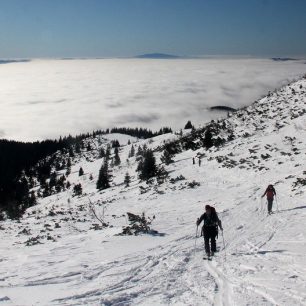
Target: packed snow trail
x,y
73,264
165,270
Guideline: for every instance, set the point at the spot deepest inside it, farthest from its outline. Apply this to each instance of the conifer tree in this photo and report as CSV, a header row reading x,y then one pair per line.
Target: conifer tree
x,y
208,141
71,153
52,181
188,125
102,153
77,189
147,165
77,147
132,151
68,171
108,151
167,157
104,176
115,144
46,191
139,151
127,180
81,172
117,160
161,175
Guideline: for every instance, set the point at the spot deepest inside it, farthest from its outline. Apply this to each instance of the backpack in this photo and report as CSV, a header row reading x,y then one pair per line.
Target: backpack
x,y
213,220
270,193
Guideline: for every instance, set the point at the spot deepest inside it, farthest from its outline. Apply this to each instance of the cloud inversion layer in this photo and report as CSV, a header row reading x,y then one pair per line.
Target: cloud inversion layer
x,y
48,98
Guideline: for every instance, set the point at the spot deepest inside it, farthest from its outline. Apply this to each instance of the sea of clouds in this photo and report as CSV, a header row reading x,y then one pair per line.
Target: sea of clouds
x,y
42,99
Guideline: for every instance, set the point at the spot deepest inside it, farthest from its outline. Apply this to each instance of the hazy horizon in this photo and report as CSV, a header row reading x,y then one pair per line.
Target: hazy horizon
x,y
180,56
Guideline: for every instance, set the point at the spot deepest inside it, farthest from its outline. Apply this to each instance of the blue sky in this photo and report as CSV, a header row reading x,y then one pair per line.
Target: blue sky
x,y
94,28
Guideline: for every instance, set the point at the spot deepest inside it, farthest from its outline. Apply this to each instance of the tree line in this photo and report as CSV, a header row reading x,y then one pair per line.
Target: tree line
x,y
20,162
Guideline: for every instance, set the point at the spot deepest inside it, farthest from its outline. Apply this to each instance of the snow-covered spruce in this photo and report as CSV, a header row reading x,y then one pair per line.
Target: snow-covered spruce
x,y
60,254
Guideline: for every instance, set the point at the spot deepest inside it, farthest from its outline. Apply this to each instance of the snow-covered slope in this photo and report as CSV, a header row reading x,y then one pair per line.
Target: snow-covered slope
x,y
263,262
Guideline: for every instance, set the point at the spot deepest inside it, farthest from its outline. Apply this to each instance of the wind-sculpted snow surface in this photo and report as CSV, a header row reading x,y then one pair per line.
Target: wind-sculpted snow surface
x,y
263,262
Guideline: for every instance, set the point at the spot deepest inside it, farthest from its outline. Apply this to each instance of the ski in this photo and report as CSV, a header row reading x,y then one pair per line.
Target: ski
x,y
207,258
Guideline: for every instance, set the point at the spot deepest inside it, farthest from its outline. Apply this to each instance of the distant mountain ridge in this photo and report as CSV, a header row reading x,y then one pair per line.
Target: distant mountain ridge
x,y
9,61
157,56
283,59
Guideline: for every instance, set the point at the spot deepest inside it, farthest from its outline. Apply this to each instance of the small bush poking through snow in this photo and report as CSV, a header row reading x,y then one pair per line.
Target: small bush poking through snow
x,y
138,225
193,184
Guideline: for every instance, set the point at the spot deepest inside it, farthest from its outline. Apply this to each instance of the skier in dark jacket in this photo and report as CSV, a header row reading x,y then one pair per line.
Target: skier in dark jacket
x,y
270,193
210,229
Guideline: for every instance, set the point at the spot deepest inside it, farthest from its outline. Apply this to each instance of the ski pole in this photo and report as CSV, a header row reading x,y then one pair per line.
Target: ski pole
x,y
276,203
195,242
203,248
224,245
262,206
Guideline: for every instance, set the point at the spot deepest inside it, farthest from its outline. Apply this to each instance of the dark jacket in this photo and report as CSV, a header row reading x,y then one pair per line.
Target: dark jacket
x,y
210,220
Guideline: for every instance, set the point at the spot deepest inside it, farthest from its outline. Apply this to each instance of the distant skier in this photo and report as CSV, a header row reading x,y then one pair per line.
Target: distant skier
x,y
270,193
193,161
200,162
210,229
